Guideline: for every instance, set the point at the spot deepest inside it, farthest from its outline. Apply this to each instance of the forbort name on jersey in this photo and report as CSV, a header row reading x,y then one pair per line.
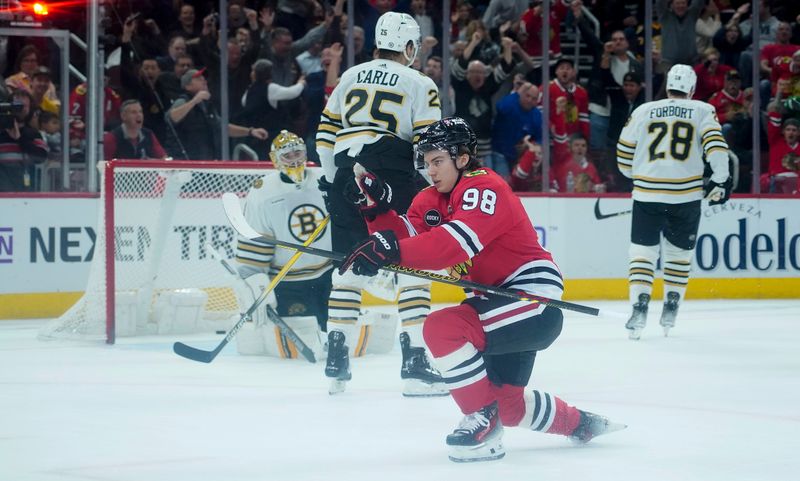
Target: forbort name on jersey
x,y
377,77
672,111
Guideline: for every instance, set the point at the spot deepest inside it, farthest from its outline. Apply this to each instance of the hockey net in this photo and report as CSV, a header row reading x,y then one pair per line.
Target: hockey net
x,y
152,272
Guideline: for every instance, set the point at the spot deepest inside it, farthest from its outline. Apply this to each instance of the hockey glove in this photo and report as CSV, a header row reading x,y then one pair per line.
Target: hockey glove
x,y
325,188
718,194
377,193
378,250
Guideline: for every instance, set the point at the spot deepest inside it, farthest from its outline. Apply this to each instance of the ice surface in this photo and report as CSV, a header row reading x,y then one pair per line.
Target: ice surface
x,y
718,400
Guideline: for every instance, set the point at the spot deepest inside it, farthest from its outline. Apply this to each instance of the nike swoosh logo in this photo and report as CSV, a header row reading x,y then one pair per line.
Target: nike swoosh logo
x,y
600,216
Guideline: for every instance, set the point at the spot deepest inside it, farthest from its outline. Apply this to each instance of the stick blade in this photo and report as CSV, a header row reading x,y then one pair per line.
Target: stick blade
x,y
194,354
233,210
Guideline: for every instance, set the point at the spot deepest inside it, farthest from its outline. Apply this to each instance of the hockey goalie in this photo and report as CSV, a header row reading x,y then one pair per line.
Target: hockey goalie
x,y
286,204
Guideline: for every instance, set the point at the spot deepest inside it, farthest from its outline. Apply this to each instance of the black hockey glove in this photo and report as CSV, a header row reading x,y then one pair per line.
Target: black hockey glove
x,y
377,195
325,188
378,250
718,194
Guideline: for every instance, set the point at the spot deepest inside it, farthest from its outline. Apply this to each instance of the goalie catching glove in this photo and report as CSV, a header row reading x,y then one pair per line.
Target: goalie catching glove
x,y
378,250
376,194
718,193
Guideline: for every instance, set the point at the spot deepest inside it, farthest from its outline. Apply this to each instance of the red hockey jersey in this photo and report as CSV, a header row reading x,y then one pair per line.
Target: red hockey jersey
x,y
479,231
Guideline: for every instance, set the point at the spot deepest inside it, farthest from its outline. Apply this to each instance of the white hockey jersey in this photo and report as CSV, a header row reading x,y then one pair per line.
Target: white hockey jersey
x,y
662,146
372,100
288,212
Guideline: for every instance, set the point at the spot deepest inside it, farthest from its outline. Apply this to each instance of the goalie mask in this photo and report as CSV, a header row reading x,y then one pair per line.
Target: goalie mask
x,y
288,153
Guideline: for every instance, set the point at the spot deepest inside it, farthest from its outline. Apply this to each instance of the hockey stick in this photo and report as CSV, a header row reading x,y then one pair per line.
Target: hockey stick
x,y
287,331
600,216
201,355
235,216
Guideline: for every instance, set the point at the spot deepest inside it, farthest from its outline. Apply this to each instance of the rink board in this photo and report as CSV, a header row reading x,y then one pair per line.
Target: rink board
x,y
749,248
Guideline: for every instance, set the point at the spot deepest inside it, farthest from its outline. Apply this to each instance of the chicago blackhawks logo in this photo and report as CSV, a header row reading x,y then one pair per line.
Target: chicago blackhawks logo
x,y
460,270
303,220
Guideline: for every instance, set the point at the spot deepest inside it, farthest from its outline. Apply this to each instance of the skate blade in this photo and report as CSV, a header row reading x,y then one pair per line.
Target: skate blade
x,y
337,387
474,454
610,428
635,334
417,388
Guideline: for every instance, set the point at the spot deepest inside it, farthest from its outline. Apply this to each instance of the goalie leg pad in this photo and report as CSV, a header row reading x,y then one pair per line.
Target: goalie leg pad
x,y
250,340
375,333
306,328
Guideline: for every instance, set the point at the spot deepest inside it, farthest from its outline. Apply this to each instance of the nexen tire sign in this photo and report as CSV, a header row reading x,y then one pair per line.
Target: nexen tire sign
x,y
748,248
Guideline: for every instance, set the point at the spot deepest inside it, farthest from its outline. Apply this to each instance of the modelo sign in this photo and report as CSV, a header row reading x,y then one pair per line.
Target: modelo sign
x,y
750,237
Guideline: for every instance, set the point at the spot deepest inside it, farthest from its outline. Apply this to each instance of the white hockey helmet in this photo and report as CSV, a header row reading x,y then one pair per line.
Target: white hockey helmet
x,y
393,32
681,78
288,153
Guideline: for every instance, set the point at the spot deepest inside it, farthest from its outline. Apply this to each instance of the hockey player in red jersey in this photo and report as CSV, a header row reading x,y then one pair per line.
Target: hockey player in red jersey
x,y
471,223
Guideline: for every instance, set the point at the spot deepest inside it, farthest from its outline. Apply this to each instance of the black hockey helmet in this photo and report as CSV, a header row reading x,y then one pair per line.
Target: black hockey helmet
x,y
451,134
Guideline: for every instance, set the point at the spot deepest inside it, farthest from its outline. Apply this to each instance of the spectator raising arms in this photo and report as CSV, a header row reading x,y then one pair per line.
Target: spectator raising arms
x,y
197,123
474,89
710,74
517,118
260,102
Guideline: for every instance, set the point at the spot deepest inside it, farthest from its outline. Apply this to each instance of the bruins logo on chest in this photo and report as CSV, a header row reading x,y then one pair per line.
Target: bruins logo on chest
x,y
303,220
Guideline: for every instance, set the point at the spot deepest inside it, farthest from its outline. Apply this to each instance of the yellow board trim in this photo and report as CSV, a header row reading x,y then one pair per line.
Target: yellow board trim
x,y
53,304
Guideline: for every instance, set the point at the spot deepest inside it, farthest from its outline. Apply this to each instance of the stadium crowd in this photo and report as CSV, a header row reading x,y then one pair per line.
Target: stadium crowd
x,y
162,93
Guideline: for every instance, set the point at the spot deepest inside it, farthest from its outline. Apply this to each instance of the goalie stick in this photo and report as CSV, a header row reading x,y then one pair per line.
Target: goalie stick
x,y
201,355
235,216
276,319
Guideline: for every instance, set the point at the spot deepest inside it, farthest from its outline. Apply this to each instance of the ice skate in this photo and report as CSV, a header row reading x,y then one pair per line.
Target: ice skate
x,y
670,312
338,365
638,318
593,425
420,378
478,437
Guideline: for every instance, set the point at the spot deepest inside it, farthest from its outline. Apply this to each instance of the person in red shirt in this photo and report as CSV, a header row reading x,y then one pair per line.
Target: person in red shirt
x,y
784,145
532,23
775,57
791,72
526,175
730,102
710,75
573,160
111,100
131,140
471,223
577,107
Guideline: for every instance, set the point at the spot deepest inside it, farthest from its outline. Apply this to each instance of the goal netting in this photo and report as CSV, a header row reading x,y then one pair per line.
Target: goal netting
x,y
152,272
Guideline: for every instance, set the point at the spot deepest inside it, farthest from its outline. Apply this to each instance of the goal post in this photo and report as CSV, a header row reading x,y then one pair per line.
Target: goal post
x,y
151,272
